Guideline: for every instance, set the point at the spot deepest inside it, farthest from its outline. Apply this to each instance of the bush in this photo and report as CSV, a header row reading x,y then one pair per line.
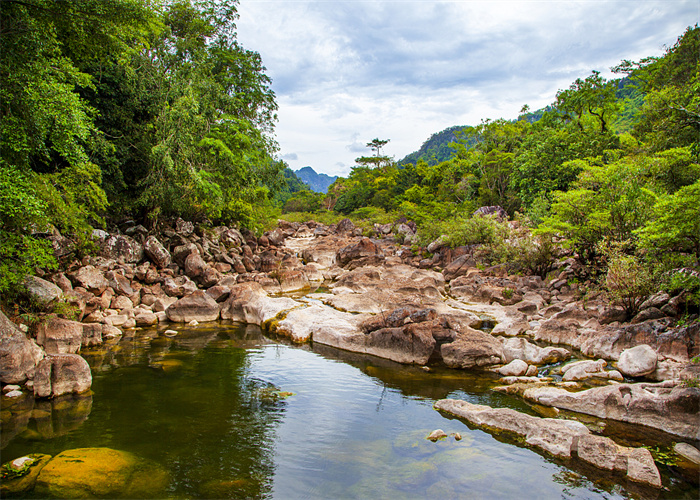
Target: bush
x,y
628,282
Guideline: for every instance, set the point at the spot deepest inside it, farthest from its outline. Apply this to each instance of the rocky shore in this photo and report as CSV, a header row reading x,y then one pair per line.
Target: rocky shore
x,y
373,296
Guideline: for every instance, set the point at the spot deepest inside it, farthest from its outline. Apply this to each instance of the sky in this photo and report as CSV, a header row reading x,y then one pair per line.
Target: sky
x,y
346,72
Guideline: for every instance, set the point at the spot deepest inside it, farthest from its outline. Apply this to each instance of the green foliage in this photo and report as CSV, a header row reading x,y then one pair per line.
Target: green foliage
x,y
675,225
303,201
628,282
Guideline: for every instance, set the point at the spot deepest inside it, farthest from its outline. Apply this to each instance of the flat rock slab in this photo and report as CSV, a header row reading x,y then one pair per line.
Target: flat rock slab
x,y
672,409
562,438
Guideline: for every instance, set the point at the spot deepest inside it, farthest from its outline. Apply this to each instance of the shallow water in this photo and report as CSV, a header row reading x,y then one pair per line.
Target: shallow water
x,y
211,405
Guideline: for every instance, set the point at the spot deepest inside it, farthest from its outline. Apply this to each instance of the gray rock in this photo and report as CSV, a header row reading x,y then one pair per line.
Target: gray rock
x,y
60,336
561,438
689,452
59,374
638,361
472,349
92,279
515,368
675,410
197,306
42,292
122,249
155,251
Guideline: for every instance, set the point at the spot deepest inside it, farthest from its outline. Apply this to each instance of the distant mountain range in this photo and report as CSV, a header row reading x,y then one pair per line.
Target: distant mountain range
x,y
318,183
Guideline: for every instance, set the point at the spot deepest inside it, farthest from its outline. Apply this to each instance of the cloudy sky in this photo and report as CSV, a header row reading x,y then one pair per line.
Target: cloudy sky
x,y
345,72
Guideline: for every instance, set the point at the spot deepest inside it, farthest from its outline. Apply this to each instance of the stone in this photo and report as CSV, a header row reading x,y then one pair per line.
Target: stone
x,y
561,438
60,336
436,435
323,325
689,452
13,394
493,211
647,314
156,252
101,473
520,348
146,318
658,300
459,267
581,370
59,374
19,355
121,302
362,253
195,266
219,292
472,349
196,306
119,283
181,252
638,361
249,303
122,249
92,334
675,409
42,292
92,279
20,485
515,368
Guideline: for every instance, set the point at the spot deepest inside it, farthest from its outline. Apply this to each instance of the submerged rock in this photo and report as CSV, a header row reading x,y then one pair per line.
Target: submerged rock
x,y
562,438
19,476
101,472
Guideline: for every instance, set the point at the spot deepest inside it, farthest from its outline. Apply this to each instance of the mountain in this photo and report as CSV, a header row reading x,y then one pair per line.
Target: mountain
x,y
317,182
436,148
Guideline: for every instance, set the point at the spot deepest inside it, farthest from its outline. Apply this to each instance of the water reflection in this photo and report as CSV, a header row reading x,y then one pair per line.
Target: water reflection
x,y
43,419
233,414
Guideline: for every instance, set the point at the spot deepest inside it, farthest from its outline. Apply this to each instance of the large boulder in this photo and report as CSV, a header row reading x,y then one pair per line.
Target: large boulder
x,y
91,279
250,303
101,473
122,249
520,348
195,266
197,306
59,374
411,344
472,349
18,354
459,267
638,361
322,324
675,410
561,438
42,292
155,251
60,336
362,253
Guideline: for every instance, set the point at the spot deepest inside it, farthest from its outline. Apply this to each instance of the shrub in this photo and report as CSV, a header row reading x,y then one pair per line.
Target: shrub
x,y
628,282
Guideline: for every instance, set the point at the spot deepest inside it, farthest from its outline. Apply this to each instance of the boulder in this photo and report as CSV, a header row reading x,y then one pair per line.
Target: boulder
x,y
18,354
195,266
638,361
59,374
92,334
179,286
675,410
119,283
647,314
520,348
60,336
42,292
515,368
362,253
459,267
561,438
345,226
30,466
181,252
411,344
322,324
472,349
249,303
101,473
155,251
581,370
122,249
146,318
493,211
91,278
197,306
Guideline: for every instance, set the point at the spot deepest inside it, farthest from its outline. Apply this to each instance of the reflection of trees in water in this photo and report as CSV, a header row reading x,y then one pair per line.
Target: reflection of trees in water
x,y
190,405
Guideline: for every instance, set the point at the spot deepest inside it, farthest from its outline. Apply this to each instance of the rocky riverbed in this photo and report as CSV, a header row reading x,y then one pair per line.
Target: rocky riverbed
x,y
331,285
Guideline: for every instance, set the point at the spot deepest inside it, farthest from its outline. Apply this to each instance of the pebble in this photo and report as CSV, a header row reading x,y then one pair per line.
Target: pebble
x,y
18,463
10,388
14,394
194,322
437,434
169,333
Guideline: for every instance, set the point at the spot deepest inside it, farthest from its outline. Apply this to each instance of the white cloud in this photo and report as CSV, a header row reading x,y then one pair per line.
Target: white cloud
x,y
346,72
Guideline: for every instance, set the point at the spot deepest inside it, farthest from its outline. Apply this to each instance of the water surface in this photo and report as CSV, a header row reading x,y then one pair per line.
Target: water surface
x,y
213,405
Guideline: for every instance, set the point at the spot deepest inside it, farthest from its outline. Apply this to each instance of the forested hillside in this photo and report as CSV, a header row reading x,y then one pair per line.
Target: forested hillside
x,y
115,108
153,110
609,172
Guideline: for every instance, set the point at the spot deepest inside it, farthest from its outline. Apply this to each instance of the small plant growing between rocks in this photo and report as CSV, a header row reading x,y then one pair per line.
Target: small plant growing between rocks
x,y
628,282
508,293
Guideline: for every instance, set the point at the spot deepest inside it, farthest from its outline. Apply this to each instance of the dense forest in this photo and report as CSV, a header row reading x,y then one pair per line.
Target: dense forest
x,y
115,109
